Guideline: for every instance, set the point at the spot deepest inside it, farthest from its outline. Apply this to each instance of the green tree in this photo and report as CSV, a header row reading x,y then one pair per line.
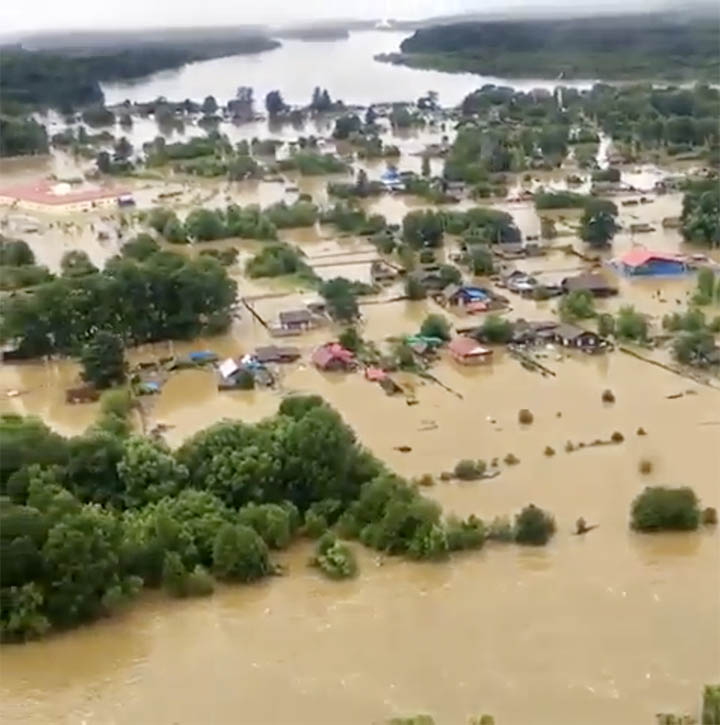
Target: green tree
x,y
534,526
28,441
240,554
694,348
15,253
597,225
103,360
577,305
274,103
147,472
205,225
76,263
630,324
423,228
436,326
659,508
496,329
341,300
334,559
350,339
414,288
481,260
426,166
606,325
209,105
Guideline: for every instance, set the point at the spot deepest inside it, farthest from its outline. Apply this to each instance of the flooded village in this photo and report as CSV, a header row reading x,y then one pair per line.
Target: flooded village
x,y
484,325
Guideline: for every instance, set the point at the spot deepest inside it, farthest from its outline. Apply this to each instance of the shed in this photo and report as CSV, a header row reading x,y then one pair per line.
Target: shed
x,y
596,284
276,354
467,351
295,319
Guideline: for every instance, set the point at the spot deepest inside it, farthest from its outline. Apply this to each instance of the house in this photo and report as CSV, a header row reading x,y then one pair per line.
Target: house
x,y
572,336
295,320
466,351
276,354
382,272
333,356
531,332
643,262
596,284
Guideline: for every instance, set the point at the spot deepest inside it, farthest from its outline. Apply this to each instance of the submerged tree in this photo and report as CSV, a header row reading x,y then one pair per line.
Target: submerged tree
x,y
103,360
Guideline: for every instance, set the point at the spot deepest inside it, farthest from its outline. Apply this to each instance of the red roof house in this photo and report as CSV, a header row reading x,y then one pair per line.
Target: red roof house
x,y
644,261
333,356
467,351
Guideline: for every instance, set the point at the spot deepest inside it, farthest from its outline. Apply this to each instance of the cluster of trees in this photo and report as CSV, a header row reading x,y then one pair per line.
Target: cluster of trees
x,y
311,163
17,265
65,80
694,334
701,213
144,295
348,217
361,188
249,222
22,137
665,46
86,522
659,508
278,259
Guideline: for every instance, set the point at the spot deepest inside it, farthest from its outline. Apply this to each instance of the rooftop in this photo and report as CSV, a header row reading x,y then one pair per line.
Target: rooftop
x,y
638,256
45,192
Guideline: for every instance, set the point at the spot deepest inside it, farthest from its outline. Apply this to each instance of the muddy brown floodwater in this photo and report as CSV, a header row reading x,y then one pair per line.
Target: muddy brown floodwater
x,y
607,628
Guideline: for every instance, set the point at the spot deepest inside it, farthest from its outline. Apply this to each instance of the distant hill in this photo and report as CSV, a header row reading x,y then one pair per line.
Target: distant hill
x,y
608,47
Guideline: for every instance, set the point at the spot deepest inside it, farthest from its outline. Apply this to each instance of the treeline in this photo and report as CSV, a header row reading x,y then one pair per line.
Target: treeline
x,y
65,80
22,137
86,522
701,212
144,295
643,46
508,131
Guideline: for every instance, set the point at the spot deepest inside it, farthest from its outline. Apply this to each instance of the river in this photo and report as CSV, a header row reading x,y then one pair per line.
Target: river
x,y
345,67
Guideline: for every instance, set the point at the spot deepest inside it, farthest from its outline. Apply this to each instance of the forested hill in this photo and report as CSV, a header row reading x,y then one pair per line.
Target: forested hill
x,y
643,47
71,76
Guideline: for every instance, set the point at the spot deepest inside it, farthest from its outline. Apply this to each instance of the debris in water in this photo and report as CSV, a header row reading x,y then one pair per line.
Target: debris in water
x,y
403,449
641,431
674,396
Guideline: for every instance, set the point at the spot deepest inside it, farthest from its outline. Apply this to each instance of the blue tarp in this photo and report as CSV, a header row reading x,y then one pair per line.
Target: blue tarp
x,y
202,356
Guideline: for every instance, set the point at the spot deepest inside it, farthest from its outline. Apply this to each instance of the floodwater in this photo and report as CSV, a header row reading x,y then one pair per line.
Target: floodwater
x,y
607,628
345,67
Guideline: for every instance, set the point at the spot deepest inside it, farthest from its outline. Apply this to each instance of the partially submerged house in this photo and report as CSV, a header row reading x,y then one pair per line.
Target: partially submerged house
x,y
381,272
456,295
596,284
333,356
296,320
576,337
233,373
467,351
82,394
276,354
644,262
533,332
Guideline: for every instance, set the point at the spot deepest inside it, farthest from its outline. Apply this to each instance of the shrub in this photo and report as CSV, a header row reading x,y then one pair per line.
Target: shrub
x,y
426,480
630,325
641,431
199,583
334,559
239,553
468,470
606,325
578,305
525,416
617,437
659,508
709,516
608,396
500,529
511,459
645,466
496,329
533,526
549,451
435,326
272,522
315,525
463,535
711,705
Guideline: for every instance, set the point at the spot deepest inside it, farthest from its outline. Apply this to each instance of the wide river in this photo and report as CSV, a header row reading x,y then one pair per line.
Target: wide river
x,y
345,67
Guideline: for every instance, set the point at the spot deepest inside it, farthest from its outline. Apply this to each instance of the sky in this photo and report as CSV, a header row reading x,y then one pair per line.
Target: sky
x,y
35,15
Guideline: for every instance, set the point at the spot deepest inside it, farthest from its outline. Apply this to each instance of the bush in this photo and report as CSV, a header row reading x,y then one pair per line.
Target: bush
x,y
549,451
578,305
350,339
617,437
496,329
711,705
500,529
334,559
463,535
709,516
606,325
645,466
525,417
511,459
272,522
435,326
199,583
659,508
608,396
467,470
414,288
533,526
240,554
630,325
315,524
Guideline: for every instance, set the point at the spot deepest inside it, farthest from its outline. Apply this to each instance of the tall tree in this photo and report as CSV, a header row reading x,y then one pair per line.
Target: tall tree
x,y
103,360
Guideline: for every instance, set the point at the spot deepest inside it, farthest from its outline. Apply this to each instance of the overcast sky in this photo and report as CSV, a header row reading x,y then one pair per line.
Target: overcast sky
x,y
31,15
